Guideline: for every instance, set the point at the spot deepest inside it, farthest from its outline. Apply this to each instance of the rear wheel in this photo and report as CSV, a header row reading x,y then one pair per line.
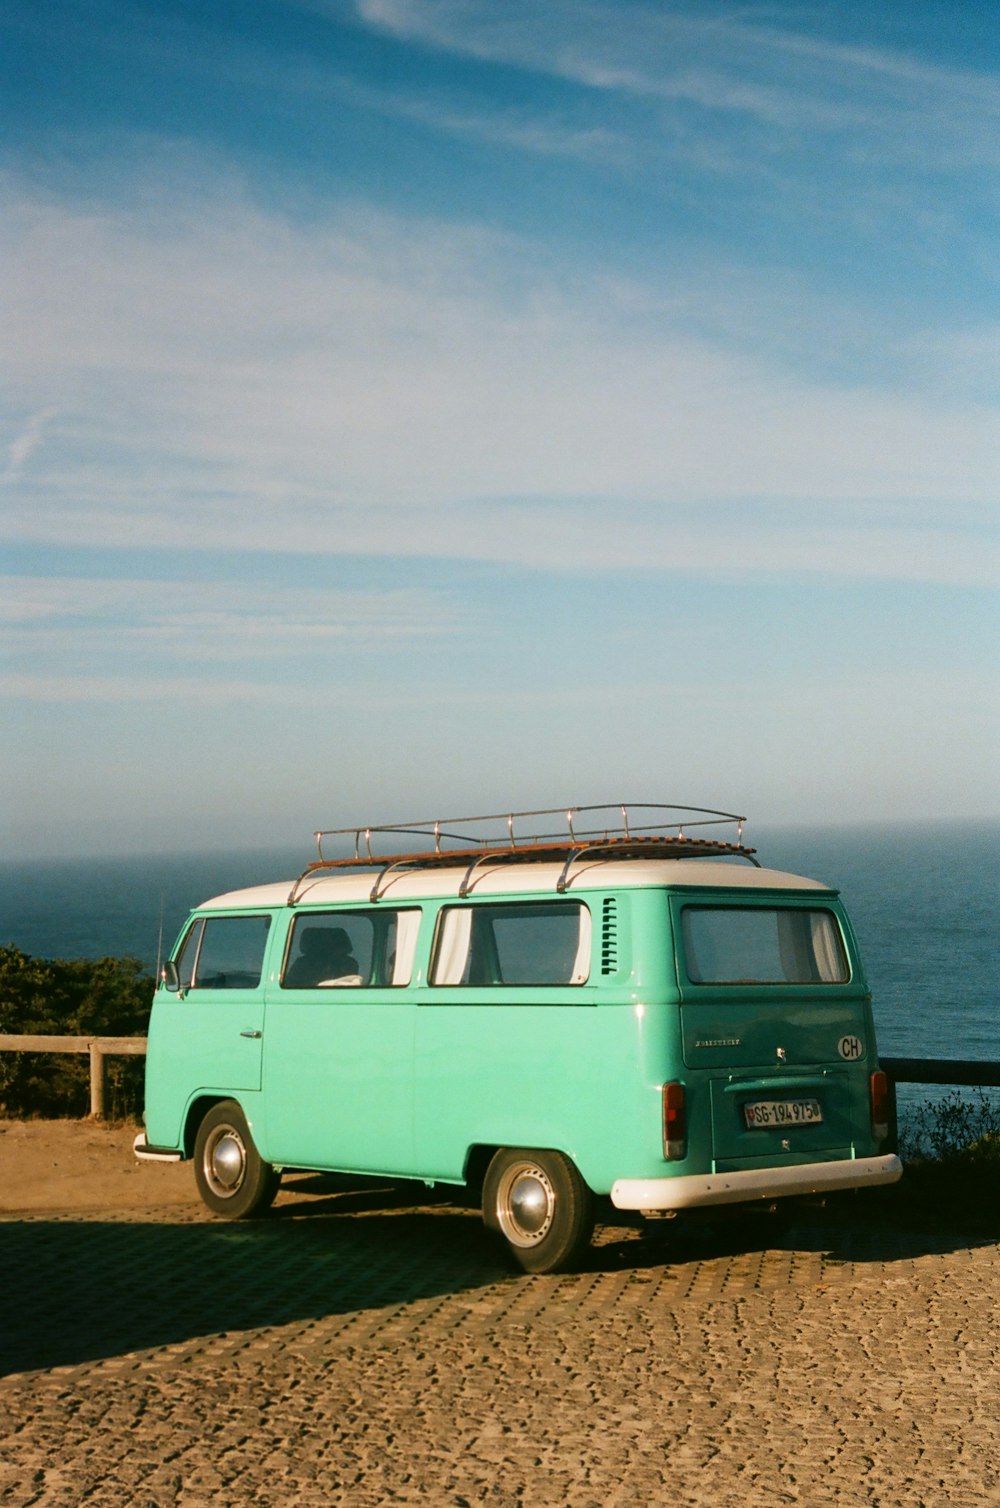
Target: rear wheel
x,y
540,1205
231,1177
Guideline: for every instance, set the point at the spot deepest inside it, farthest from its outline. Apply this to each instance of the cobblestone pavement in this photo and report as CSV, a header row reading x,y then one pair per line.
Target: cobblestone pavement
x,y
365,1349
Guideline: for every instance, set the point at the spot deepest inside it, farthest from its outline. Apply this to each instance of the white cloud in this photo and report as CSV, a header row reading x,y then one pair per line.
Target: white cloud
x,y
217,376
762,66
86,690
206,623
25,443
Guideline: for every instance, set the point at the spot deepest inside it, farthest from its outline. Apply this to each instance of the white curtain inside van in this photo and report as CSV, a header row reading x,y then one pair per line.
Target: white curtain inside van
x,y
581,964
407,929
453,947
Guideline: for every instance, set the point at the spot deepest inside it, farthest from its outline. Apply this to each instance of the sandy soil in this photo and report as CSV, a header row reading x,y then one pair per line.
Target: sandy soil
x,y
76,1166
83,1165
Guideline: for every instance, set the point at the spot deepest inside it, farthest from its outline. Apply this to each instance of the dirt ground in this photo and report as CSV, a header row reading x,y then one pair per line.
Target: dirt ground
x,y
366,1346
67,1165
72,1167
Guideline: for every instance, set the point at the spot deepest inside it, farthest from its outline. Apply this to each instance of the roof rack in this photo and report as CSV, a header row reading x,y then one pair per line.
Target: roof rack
x,y
637,831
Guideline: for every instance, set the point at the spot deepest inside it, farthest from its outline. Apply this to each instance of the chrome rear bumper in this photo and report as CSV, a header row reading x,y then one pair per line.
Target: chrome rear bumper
x,y
697,1190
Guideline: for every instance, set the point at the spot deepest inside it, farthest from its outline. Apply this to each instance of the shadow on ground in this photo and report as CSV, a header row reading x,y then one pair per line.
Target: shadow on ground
x,y
77,1290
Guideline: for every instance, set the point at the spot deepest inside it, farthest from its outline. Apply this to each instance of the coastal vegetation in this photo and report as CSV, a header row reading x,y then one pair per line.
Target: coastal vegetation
x,y
79,997
951,1150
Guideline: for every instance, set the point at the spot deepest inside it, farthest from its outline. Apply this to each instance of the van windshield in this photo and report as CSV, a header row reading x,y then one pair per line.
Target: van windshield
x,y
762,945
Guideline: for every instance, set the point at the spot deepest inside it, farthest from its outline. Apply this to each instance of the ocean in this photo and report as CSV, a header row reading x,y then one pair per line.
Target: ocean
x,y
923,900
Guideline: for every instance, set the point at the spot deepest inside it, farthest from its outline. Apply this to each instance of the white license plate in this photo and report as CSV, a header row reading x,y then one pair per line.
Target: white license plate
x,y
763,1113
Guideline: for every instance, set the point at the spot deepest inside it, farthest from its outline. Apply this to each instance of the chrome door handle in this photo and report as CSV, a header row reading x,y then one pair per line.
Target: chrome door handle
x,y
251,1034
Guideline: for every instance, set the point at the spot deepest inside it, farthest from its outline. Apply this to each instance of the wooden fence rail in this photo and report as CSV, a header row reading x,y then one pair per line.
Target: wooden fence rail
x,y
942,1071
98,1048
900,1070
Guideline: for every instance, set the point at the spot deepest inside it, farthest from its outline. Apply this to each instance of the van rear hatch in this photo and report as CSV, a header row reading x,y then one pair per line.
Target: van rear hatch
x,y
774,1016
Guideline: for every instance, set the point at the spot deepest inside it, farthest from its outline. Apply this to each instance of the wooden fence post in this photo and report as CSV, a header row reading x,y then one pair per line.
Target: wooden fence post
x,y
97,1082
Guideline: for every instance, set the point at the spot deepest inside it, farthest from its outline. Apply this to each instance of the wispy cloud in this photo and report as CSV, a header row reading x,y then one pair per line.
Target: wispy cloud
x,y
84,690
530,132
208,622
371,383
24,443
736,62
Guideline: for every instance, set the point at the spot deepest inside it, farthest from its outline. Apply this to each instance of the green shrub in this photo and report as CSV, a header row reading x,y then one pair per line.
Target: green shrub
x,y
954,1129
951,1151
80,997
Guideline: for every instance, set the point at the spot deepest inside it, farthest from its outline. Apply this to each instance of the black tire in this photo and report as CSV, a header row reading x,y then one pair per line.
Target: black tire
x,y
232,1180
540,1205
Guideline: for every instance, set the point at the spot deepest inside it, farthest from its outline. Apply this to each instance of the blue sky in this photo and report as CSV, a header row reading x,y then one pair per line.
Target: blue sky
x,y
426,407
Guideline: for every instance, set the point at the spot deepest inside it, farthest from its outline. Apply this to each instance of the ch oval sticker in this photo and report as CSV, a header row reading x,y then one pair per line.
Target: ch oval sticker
x,y
851,1048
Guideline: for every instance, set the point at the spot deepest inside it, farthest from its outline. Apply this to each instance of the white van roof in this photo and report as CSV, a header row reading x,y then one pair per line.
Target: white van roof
x,y
326,889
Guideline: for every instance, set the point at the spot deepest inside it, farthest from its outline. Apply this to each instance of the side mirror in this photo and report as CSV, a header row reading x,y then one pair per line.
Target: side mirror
x,y
169,977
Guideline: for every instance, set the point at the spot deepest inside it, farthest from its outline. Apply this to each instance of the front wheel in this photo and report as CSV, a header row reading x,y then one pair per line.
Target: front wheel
x,y
540,1205
231,1177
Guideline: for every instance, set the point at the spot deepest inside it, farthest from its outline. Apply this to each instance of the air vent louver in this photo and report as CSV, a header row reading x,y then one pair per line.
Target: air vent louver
x,y
609,936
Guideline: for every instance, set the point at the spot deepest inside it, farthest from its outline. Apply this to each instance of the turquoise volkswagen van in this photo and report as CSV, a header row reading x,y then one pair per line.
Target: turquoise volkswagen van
x,y
630,1010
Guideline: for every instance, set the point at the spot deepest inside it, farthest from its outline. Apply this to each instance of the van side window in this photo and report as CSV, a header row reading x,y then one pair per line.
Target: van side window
x,y
534,943
351,949
762,945
223,953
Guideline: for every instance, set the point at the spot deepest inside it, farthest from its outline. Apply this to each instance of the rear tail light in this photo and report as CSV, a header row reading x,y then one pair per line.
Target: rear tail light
x,y
879,1086
674,1123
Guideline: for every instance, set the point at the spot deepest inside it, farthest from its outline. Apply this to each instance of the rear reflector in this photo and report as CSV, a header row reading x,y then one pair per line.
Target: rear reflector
x,y
880,1105
674,1123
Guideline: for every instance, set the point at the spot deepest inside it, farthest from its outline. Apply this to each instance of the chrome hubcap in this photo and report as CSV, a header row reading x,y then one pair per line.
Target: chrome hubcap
x,y
526,1205
226,1162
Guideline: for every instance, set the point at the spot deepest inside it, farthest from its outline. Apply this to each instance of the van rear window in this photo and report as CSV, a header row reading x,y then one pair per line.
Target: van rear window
x,y
762,945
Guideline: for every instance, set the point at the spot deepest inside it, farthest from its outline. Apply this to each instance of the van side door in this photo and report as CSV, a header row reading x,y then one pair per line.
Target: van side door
x,y
338,1055
206,1036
